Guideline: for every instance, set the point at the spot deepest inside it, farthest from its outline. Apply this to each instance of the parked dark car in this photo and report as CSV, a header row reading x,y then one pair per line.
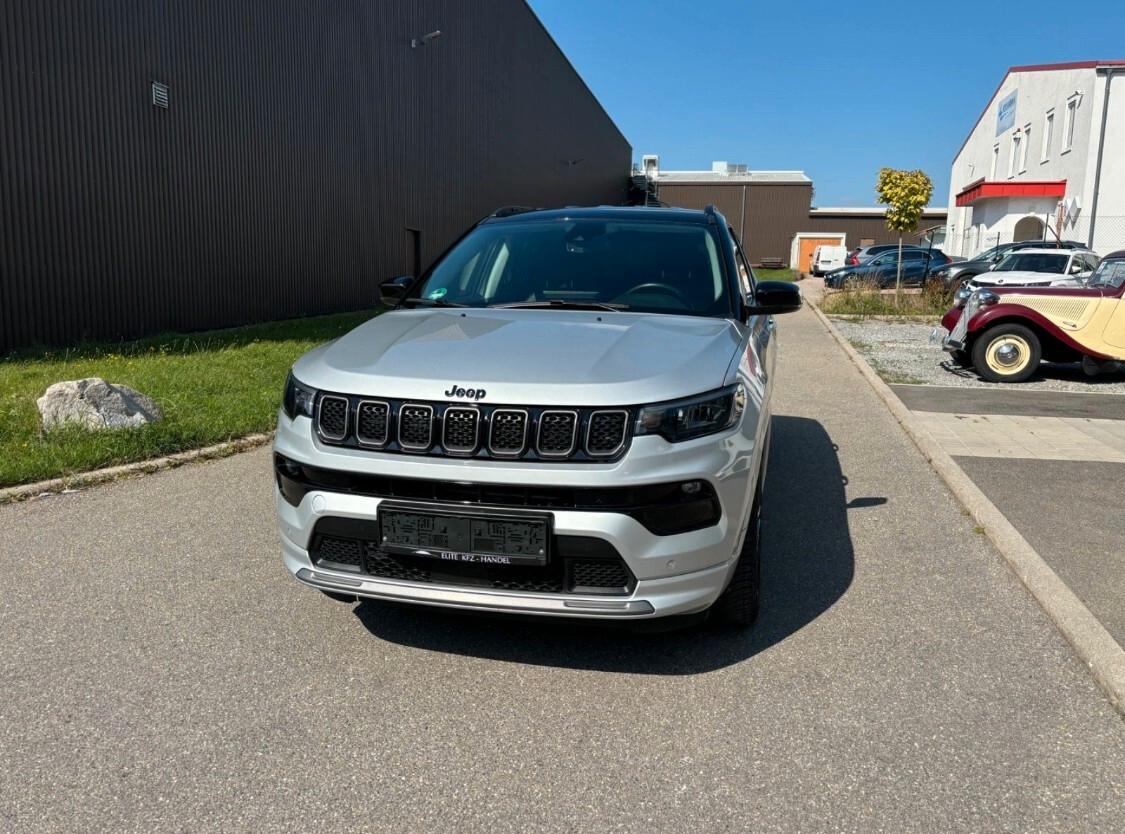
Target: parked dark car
x,y
917,264
865,253
955,274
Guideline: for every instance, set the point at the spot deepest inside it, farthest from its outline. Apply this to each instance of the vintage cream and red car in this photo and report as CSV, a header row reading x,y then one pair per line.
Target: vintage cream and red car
x,y
1003,333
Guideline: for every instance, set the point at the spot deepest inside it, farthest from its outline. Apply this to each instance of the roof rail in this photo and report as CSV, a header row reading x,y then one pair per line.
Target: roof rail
x,y
508,211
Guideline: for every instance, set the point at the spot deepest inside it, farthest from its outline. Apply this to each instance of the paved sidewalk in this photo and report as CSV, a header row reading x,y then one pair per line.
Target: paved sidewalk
x,y
1017,436
161,672
1054,464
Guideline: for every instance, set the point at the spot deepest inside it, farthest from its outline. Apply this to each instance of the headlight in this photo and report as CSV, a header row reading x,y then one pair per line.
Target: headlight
x,y
962,295
298,399
695,417
987,298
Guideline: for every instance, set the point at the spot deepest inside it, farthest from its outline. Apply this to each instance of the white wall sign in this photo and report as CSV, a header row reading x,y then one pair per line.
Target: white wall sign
x,y
1006,112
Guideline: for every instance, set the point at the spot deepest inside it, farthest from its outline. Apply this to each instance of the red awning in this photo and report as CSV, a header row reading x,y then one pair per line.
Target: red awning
x,y
983,190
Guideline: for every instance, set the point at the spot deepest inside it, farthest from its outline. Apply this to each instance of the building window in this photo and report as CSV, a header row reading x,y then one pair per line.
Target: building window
x,y
995,157
1068,125
1014,155
1025,143
1048,134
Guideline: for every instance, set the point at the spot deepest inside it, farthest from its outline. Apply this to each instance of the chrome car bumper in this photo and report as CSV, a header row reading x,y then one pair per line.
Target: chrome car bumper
x,y
673,595
675,574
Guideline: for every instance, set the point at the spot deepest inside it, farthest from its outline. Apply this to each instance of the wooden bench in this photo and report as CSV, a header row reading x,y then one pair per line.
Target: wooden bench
x,y
772,263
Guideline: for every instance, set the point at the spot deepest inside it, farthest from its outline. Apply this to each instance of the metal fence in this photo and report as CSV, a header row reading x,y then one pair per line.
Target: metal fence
x,y
1109,235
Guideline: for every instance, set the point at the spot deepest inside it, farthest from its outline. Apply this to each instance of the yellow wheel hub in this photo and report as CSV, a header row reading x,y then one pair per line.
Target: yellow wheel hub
x,y
1008,355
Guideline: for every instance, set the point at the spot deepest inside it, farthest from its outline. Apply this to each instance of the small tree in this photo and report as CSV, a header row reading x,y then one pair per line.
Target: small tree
x,y
905,194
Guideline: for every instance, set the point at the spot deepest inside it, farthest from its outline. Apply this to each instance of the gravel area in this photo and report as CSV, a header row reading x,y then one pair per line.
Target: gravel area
x,y
901,352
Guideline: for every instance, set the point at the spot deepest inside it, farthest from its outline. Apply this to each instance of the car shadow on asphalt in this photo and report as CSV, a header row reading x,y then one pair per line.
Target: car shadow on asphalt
x,y
807,565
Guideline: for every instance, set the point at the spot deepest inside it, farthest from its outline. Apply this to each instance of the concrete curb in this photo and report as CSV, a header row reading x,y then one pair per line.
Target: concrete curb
x,y
113,473
1088,637
910,318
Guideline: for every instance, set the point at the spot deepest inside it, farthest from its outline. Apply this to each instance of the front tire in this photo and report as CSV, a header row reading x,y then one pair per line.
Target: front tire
x,y
1007,353
738,605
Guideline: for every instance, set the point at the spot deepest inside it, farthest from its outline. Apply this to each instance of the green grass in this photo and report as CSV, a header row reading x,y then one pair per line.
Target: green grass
x,y
868,300
775,274
213,387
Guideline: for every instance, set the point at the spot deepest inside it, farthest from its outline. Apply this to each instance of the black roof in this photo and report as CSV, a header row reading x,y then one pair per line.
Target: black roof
x,y
1120,253
641,213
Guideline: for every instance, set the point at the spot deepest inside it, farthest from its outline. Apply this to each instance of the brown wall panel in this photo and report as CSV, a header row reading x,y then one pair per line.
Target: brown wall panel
x,y
773,212
767,215
302,138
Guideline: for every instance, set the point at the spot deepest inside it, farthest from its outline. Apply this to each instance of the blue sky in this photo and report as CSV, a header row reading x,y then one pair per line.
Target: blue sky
x,y
835,89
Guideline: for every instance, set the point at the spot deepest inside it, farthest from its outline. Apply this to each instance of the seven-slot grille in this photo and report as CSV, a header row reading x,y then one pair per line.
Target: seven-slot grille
x,y
605,432
459,430
416,427
372,422
554,434
557,430
508,432
332,417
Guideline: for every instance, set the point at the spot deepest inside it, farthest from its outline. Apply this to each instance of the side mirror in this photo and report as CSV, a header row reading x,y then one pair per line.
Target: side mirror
x,y
1077,269
393,291
773,298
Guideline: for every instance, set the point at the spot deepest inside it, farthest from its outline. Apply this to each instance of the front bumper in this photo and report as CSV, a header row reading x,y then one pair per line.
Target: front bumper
x,y
674,574
673,595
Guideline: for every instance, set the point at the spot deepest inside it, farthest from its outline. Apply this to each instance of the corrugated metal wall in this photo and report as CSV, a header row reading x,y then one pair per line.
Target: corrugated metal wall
x,y
303,137
767,216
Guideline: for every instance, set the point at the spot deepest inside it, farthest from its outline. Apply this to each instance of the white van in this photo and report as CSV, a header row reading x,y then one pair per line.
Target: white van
x,y
827,258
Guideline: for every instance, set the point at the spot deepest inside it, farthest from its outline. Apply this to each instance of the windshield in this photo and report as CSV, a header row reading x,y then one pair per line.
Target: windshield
x,y
1108,274
645,266
1033,262
989,254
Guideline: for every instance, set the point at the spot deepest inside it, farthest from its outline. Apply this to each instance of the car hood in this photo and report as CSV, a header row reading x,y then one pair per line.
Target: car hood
x,y
531,357
1017,278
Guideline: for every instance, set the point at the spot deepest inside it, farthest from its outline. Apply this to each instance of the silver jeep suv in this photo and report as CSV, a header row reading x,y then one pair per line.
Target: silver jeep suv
x,y
567,415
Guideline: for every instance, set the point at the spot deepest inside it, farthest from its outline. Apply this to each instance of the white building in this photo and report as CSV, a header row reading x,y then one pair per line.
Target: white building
x,y
1046,156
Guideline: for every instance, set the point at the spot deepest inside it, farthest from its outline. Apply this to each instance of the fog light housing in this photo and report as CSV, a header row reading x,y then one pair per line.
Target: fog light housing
x,y
688,506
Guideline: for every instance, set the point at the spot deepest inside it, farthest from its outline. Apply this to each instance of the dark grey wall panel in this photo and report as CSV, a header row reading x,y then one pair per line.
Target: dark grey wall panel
x,y
302,139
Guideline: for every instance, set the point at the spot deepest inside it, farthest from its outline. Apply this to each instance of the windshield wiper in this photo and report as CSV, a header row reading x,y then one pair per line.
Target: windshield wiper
x,y
433,302
563,304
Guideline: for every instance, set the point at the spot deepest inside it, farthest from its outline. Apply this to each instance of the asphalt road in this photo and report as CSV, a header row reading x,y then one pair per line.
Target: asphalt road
x,y
1011,399
161,672
1072,513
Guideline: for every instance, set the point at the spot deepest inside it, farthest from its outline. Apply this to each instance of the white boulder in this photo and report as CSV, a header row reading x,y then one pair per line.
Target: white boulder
x,y
96,404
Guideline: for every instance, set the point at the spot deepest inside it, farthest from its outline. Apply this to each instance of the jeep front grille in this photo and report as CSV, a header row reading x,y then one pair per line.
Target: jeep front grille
x,y
416,427
556,433
460,428
605,432
332,418
372,423
507,435
573,435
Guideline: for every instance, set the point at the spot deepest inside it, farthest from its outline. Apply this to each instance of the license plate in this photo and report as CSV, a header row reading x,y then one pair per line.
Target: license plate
x,y
481,539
